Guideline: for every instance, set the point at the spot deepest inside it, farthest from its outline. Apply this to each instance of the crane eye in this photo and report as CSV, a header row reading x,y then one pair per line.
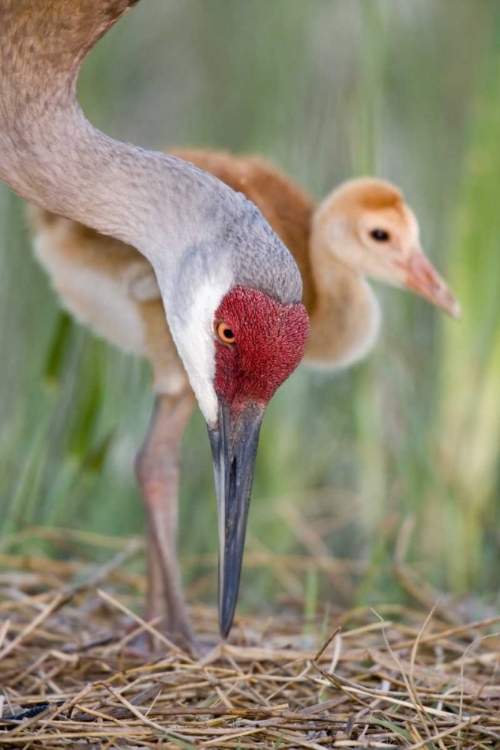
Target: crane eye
x,y
225,333
380,235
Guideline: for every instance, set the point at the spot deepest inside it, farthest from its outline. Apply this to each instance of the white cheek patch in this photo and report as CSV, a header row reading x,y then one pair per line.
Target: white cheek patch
x,y
194,338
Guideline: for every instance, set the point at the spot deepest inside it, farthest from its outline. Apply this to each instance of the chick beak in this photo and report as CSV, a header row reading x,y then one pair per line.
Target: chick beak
x,y
234,448
422,278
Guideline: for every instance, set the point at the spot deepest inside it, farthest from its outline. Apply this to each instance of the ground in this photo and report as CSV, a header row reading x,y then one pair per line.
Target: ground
x,y
394,677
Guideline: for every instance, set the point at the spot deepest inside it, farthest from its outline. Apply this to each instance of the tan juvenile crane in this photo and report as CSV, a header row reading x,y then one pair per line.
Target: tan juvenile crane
x,y
363,229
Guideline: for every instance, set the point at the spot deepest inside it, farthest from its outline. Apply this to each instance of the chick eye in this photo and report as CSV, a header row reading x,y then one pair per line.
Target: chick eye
x,y
225,333
380,235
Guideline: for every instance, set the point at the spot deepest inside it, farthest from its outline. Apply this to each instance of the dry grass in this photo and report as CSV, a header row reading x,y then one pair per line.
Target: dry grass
x,y
70,676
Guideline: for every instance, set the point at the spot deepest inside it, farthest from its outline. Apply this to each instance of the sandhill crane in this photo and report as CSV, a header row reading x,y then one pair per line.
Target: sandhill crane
x,y
230,288
364,228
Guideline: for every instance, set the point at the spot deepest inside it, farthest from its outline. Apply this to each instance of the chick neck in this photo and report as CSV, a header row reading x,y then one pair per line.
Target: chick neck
x,y
345,321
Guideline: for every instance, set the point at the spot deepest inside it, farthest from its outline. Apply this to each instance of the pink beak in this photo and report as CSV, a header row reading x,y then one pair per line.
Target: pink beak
x,y
422,278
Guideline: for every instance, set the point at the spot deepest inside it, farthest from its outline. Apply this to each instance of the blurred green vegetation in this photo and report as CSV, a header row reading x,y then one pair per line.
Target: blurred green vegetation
x,y
326,89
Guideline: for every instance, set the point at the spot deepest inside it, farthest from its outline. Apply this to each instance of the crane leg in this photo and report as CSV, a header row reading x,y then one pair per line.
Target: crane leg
x,y
157,471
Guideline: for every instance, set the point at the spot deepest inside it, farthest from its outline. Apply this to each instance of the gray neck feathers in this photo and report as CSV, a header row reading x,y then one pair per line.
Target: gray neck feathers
x,y
181,218
250,247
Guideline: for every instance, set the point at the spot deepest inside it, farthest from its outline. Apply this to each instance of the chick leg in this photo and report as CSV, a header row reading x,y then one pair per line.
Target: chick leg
x,y
157,470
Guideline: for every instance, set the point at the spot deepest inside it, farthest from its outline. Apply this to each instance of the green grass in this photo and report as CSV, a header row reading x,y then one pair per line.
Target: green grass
x,y
408,91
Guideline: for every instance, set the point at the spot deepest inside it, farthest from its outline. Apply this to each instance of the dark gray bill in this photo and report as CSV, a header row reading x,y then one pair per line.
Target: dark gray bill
x,y
234,447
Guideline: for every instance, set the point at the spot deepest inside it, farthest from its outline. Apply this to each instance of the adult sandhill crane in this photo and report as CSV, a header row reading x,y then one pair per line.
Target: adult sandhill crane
x,y
364,228
230,288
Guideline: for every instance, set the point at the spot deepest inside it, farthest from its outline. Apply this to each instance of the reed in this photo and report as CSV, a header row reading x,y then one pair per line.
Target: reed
x,y
409,91
468,432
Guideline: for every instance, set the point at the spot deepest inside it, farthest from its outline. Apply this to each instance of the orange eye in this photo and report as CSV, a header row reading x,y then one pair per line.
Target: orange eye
x,y
225,333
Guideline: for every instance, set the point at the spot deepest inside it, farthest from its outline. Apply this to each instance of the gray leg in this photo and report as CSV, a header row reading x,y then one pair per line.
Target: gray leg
x,y
157,470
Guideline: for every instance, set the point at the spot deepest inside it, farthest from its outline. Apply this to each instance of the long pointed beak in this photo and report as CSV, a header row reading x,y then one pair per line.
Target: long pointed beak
x,y
422,278
234,448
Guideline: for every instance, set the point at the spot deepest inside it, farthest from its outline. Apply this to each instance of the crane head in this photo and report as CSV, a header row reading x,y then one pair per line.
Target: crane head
x,y
258,343
368,226
243,345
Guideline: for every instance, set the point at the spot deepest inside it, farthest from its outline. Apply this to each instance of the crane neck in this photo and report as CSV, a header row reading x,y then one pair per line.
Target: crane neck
x,y
185,221
43,46
52,156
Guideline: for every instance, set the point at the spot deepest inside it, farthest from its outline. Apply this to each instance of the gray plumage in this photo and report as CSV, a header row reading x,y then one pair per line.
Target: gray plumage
x,y
173,212
201,238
